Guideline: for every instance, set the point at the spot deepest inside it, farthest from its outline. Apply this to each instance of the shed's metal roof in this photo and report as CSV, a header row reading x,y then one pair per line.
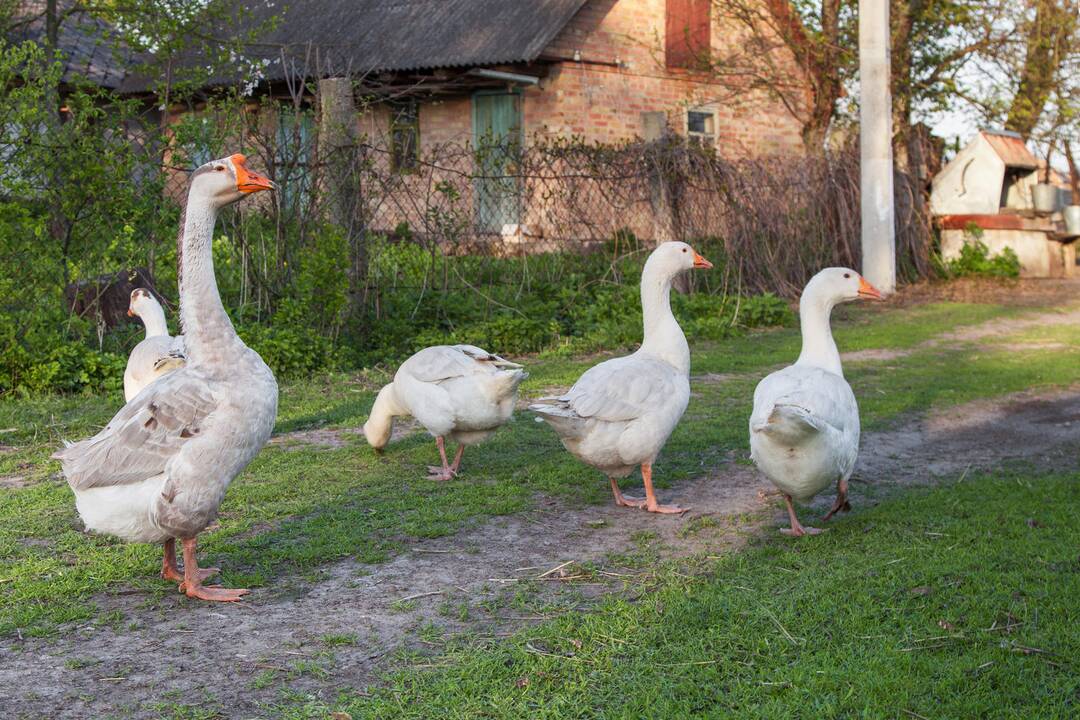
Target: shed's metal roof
x,y
1011,149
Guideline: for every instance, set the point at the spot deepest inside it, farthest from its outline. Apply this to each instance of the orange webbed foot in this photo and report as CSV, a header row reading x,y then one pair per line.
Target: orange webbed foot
x,y
442,474
213,593
630,501
666,509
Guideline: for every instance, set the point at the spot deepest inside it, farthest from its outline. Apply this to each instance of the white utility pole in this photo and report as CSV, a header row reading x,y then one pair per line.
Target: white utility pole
x,y
875,145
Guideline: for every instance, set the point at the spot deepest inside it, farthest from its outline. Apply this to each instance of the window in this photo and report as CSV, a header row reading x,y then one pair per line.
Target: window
x,y
701,127
292,155
687,34
404,135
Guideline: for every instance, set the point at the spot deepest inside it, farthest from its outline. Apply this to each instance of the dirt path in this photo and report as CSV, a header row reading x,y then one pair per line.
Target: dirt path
x,y
977,333
489,580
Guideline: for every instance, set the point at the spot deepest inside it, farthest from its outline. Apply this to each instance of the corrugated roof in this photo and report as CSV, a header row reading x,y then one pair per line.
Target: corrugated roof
x,y
362,36
1011,149
92,50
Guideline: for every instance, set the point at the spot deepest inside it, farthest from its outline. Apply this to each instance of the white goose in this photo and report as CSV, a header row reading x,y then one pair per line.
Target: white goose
x,y
160,468
804,433
619,414
158,353
455,391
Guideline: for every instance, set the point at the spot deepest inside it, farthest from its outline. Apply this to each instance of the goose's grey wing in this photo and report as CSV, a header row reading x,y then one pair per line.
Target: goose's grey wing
x,y
621,389
810,397
143,436
442,362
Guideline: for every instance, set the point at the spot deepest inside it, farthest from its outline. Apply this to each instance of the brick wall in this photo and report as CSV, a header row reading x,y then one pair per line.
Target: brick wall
x,y
605,103
601,102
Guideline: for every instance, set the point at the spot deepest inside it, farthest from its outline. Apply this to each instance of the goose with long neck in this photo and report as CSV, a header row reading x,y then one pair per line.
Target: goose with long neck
x,y
619,414
457,392
804,430
158,353
160,468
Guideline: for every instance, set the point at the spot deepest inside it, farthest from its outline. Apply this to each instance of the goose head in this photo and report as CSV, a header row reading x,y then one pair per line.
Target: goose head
x,y
671,258
141,301
225,181
838,285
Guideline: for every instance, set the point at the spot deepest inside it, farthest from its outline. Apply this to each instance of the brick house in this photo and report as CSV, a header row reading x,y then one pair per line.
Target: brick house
x,y
604,70
459,71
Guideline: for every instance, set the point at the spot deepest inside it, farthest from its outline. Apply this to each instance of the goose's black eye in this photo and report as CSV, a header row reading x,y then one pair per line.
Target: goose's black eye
x,y
847,275
684,249
220,168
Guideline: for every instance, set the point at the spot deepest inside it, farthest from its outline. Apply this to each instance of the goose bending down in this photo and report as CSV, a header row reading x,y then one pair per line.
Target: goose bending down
x,y
158,353
160,468
455,391
804,433
619,414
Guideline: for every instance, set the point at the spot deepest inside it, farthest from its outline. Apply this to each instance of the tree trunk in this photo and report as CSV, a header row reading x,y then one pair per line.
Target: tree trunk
x,y
56,223
1048,41
1074,174
902,13
819,59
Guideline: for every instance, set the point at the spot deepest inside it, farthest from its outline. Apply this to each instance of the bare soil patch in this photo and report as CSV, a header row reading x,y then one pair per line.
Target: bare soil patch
x,y
488,580
979,333
1042,428
13,481
334,438
1029,292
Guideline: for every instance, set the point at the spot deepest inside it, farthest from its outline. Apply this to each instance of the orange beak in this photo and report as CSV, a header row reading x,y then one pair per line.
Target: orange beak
x,y
866,290
246,180
131,313
700,262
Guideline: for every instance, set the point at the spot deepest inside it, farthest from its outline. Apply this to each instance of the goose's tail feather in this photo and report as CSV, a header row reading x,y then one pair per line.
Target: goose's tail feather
x,y
790,424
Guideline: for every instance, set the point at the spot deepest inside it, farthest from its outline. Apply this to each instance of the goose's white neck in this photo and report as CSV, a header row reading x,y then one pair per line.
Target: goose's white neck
x,y
818,347
380,424
663,337
153,318
207,328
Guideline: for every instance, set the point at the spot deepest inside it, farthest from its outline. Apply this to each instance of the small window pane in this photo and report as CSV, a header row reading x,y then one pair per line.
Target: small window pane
x,y
699,122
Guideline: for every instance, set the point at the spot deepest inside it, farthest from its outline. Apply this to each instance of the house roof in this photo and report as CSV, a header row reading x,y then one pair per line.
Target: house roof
x,y
1010,147
323,37
91,49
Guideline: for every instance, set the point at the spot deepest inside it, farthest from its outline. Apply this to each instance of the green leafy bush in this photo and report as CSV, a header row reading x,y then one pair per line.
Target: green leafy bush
x,y
287,343
67,367
975,260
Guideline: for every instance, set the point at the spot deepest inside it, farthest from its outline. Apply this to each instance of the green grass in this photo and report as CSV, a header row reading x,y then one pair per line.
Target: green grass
x,y
954,603
297,509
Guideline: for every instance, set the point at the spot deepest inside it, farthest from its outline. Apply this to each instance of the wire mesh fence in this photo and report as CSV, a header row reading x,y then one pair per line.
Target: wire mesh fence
x,y
774,221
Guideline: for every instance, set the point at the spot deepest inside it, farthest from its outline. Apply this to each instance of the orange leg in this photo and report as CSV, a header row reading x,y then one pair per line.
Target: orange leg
x,y
650,495
445,472
171,571
192,585
797,529
625,500
841,503
457,459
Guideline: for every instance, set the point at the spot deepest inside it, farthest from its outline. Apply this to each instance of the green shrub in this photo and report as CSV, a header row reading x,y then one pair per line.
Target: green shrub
x,y
975,260
67,367
506,335
288,344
